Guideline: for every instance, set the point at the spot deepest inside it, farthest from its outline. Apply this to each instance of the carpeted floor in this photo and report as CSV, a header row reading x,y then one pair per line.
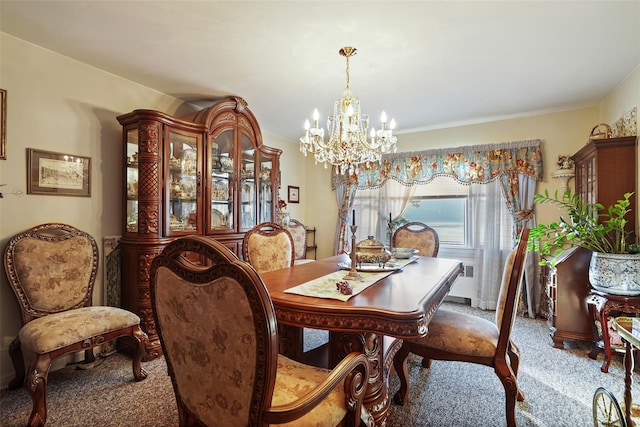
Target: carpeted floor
x,y
558,387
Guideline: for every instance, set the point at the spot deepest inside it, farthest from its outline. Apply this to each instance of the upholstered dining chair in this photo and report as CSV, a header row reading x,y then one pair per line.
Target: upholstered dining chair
x,y
52,269
218,332
268,246
417,235
466,338
299,234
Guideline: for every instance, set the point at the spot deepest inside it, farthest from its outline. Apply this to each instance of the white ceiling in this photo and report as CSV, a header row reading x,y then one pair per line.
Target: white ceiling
x,y
428,64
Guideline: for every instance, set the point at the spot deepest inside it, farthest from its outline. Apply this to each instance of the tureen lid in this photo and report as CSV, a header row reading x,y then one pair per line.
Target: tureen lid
x,y
370,243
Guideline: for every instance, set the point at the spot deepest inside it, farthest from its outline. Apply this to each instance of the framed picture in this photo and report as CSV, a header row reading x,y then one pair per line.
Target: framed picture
x,y
294,194
58,174
3,124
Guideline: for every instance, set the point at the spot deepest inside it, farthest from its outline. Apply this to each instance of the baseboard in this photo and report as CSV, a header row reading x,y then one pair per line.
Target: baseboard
x,y
459,300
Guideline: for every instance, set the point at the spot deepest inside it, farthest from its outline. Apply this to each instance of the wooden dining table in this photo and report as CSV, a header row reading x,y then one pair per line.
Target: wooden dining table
x,y
397,306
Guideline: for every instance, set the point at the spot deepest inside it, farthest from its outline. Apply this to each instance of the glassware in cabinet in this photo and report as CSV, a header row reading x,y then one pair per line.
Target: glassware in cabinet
x,y
131,208
183,182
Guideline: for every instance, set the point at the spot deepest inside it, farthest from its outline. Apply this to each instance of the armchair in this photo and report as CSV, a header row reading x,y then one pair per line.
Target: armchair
x,y
52,269
218,332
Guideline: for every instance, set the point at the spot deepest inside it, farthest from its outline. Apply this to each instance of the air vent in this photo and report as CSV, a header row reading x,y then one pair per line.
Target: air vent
x,y
468,271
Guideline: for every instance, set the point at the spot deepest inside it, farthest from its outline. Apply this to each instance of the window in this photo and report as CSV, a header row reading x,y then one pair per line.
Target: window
x,y
447,215
464,215
443,204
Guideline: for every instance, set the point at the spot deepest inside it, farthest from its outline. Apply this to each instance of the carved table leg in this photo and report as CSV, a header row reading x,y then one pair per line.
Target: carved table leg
x,y
376,399
291,341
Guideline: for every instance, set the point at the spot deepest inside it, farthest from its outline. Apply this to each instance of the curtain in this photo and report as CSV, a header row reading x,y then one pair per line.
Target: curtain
x,y
345,194
490,243
517,166
519,190
474,163
375,206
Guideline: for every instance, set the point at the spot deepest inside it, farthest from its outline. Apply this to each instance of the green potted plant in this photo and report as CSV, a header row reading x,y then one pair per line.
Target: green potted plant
x,y
615,264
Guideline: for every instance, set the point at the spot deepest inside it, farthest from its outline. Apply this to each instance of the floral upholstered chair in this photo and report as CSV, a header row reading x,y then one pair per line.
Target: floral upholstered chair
x,y
462,337
268,246
218,331
417,235
299,233
52,269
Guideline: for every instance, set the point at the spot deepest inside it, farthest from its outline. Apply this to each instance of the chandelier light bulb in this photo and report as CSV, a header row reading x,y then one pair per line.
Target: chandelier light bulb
x,y
307,125
392,124
383,118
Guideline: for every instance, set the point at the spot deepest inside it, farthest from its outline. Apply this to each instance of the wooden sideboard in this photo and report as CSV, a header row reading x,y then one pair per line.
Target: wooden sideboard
x,y
567,288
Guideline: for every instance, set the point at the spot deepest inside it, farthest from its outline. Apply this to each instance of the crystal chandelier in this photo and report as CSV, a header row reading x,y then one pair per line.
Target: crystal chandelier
x,y
348,144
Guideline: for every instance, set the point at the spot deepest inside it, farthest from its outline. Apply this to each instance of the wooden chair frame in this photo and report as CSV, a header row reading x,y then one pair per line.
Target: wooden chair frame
x,y
221,263
506,359
38,373
267,229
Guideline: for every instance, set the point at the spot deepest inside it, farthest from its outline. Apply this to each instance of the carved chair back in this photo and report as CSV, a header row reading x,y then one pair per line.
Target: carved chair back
x,y
299,234
218,331
268,246
51,268
417,235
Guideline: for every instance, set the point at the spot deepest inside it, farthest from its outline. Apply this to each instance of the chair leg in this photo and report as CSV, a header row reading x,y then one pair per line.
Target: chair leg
x,y
400,365
426,362
511,392
141,338
15,351
37,387
514,359
89,356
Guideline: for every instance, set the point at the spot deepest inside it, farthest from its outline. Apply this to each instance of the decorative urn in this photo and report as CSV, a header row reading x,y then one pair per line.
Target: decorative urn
x,y
371,251
617,274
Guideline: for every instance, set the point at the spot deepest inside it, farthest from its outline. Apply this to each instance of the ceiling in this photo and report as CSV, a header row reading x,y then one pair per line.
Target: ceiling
x,y
428,64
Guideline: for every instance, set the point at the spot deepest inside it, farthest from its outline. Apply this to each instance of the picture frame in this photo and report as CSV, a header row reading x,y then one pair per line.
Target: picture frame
x,y
58,174
3,124
293,194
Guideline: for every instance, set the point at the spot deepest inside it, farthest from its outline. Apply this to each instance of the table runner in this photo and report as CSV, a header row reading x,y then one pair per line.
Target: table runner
x,y
325,286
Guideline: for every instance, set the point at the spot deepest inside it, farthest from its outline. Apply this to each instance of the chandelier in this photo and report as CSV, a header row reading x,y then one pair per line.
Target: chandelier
x,y
348,145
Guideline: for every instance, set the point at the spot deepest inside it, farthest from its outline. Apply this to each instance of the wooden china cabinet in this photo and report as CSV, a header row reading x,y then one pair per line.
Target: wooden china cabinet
x,y
206,174
605,170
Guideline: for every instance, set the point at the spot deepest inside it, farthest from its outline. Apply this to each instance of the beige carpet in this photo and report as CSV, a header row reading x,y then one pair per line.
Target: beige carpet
x,y
558,386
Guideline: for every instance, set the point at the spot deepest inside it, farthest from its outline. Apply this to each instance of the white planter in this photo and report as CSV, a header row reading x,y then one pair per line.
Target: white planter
x,y
617,274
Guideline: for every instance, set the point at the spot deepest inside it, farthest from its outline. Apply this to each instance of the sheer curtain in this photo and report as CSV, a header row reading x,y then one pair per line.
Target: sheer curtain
x,y
373,206
491,240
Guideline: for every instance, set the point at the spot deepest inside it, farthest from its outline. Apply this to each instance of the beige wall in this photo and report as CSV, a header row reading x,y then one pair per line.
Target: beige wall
x,y
58,104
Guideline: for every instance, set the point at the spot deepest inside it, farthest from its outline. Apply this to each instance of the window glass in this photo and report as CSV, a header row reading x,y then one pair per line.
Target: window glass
x,y
447,215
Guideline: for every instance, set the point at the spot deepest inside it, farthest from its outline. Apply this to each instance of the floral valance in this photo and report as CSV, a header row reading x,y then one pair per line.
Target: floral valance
x,y
474,163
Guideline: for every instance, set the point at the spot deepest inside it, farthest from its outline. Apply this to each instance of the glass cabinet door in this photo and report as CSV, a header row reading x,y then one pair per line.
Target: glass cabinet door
x,y
221,182
265,203
131,208
248,213
183,183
